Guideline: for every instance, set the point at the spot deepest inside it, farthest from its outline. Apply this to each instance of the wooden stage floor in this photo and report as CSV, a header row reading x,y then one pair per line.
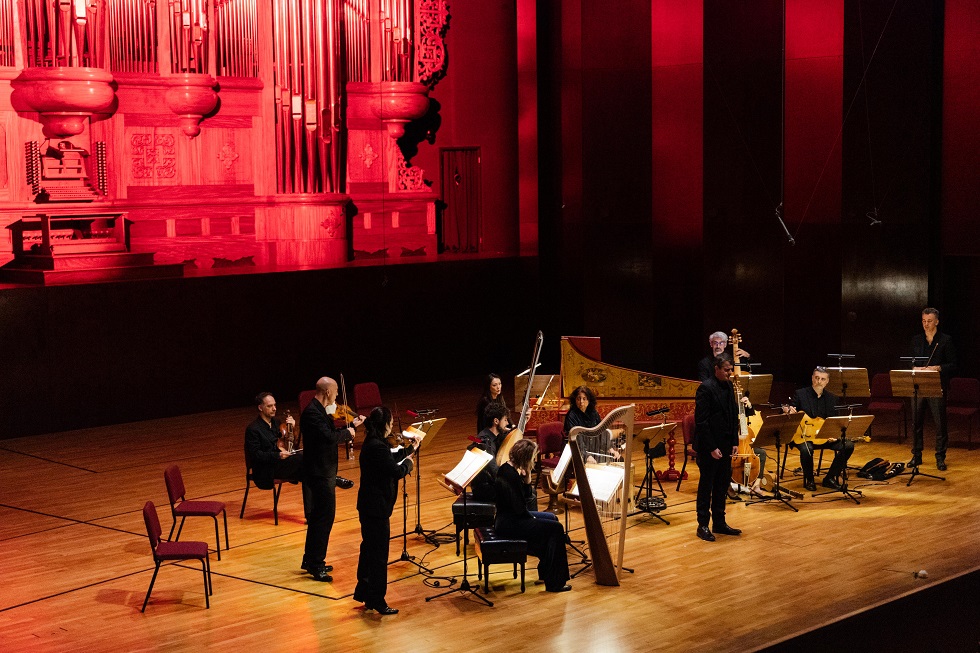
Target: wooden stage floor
x,y
75,563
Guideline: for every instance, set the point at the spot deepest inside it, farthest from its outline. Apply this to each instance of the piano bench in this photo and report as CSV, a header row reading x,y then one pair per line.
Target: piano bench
x,y
493,550
478,513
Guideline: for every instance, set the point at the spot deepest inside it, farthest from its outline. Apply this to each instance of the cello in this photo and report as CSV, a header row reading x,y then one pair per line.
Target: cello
x,y
745,464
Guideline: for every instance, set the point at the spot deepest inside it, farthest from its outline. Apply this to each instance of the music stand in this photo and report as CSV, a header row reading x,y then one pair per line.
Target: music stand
x,y
848,382
757,386
405,557
835,428
472,463
652,434
774,428
917,384
429,428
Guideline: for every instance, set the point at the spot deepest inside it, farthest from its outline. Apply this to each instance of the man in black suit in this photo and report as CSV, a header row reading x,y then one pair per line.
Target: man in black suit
x,y
381,469
716,441
264,453
497,419
320,441
815,401
939,356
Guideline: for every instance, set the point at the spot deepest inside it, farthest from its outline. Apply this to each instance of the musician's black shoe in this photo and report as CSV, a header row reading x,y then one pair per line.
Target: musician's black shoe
x,y
346,484
941,464
831,483
810,486
705,534
733,495
307,566
725,529
563,588
382,609
916,460
320,574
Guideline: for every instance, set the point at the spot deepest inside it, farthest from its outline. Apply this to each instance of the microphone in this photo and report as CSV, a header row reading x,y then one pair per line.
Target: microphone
x,y
779,216
659,411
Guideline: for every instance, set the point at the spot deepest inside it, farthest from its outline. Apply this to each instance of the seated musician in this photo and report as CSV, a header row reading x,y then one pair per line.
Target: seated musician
x,y
582,412
266,454
492,393
497,419
517,519
816,402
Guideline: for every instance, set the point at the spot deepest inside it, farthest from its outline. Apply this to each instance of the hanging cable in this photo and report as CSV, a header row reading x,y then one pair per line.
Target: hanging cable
x,y
850,106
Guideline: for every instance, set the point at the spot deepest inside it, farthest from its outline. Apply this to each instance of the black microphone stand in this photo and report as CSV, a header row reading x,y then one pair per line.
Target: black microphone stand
x,y
427,535
405,557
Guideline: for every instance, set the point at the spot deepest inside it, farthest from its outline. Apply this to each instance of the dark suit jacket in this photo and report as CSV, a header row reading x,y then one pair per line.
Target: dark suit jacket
x,y
380,473
805,399
942,351
320,441
483,484
715,417
262,451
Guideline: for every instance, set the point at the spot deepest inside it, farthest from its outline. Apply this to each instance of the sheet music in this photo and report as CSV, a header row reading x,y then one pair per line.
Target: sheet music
x,y
562,466
468,467
605,481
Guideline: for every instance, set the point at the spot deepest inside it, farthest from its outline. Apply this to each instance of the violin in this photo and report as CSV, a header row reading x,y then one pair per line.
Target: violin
x,y
344,415
287,434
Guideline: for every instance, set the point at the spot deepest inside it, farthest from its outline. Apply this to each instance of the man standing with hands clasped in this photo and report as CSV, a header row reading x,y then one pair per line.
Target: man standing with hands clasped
x,y
936,351
716,441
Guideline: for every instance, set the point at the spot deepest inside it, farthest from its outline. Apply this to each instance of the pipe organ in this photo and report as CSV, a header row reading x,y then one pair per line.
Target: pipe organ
x,y
261,132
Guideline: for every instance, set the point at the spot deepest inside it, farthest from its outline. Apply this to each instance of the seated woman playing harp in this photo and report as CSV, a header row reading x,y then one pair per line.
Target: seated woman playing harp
x,y
543,532
601,447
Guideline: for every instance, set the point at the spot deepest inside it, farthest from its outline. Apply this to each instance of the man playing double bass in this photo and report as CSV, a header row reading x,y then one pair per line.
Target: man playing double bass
x,y
815,401
716,441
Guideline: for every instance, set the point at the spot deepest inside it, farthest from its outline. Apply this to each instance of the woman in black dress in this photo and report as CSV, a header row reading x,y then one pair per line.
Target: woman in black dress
x,y
380,472
492,393
543,532
582,412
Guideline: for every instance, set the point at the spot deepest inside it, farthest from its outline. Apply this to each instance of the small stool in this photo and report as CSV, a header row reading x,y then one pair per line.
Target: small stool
x,y
478,513
493,550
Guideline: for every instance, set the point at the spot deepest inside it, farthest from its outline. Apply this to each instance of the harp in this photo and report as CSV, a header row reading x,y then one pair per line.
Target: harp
x,y
605,490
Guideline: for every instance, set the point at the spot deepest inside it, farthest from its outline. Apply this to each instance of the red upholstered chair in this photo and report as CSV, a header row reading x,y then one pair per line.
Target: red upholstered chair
x,y
882,402
367,397
551,442
687,429
180,507
173,551
964,401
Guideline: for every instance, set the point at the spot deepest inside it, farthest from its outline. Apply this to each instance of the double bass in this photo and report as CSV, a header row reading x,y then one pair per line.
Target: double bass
x,y
745,464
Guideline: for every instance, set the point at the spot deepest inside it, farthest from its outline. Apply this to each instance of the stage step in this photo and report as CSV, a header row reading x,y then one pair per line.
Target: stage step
x,y
85,260
90,275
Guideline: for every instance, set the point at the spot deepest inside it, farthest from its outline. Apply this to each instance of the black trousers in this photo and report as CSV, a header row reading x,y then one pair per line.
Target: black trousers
x,y
937,406
291,469
372,564
716,475
841,451
545,538
323,492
